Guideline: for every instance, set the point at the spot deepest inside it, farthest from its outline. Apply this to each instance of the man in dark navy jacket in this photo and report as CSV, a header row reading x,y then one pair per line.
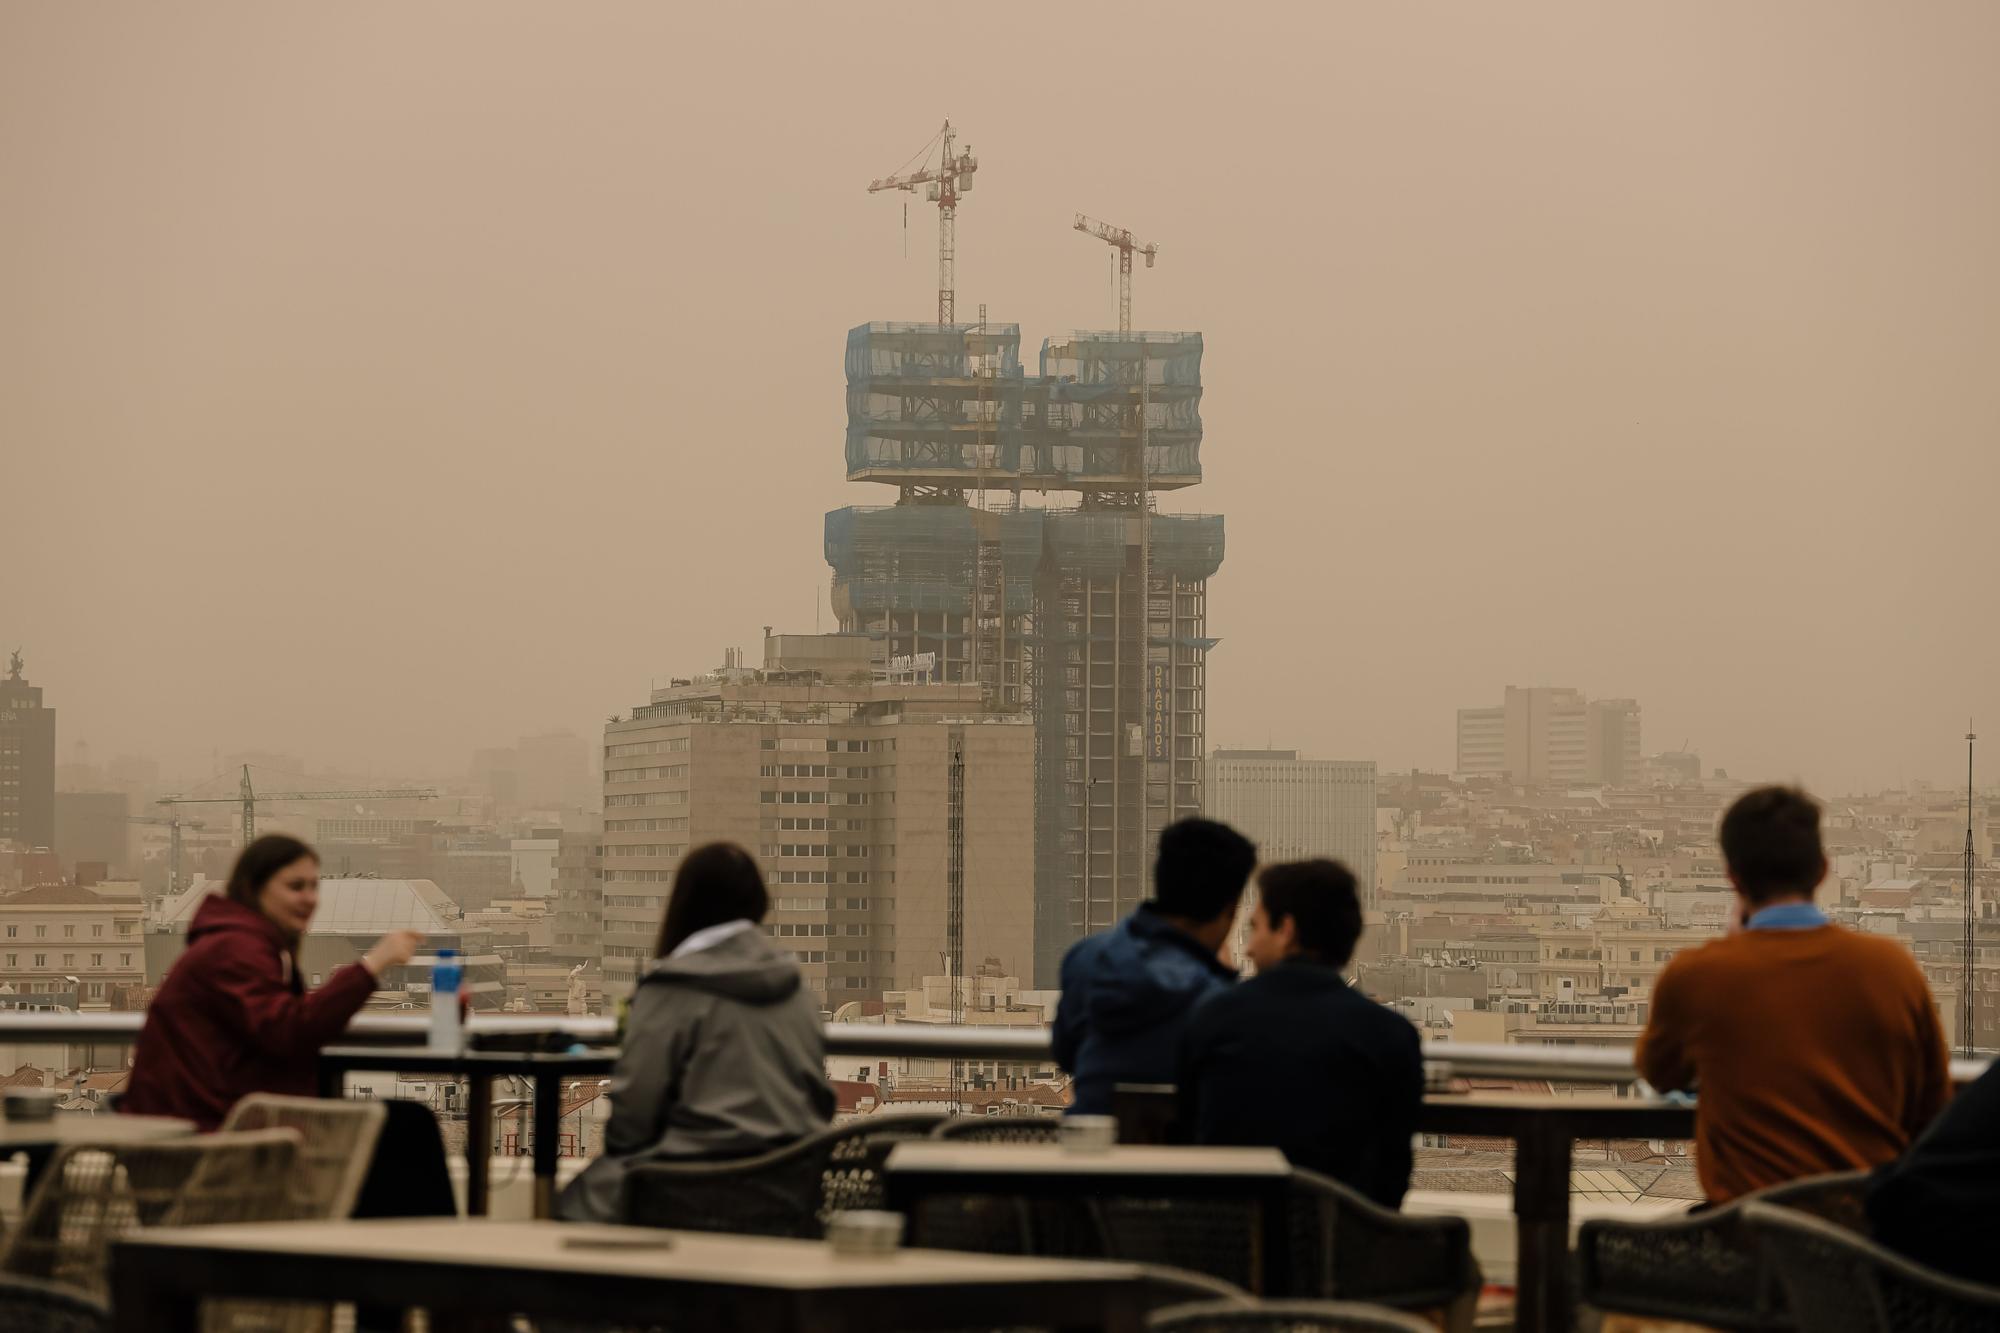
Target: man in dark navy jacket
x,y
1295,1058
1127,993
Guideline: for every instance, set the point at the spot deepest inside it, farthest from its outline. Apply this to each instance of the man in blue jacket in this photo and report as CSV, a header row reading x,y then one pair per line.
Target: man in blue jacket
x,y
1127,993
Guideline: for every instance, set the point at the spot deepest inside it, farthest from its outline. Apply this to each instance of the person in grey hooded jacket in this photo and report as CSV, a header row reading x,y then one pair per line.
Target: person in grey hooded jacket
x,y
723,1053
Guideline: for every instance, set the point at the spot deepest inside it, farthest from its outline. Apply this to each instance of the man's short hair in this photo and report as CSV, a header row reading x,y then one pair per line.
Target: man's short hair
x,y
1201,869
1320,899
1770,838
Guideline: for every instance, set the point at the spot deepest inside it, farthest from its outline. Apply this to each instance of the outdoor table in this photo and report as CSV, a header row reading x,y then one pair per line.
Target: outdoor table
x,y
546,1070
628,1275
1544,1128
923,1168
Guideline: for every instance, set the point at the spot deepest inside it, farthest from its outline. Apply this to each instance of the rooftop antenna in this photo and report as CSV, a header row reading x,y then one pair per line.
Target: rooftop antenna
x,y
1965,1008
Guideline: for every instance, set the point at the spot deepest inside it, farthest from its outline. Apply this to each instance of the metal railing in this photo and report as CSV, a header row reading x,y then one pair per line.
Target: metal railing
x,y
1573,1064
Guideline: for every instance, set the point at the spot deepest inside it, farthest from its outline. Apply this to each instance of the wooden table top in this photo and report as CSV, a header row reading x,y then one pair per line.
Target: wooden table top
x,y
99,1128
1014,1159
624,1252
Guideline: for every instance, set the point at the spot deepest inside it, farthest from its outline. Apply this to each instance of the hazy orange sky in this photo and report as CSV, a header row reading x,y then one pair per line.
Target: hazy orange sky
x,y
382,380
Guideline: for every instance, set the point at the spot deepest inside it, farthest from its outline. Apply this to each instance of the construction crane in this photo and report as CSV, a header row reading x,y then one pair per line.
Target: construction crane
x,y
1127,245
247,797
174,823
946,181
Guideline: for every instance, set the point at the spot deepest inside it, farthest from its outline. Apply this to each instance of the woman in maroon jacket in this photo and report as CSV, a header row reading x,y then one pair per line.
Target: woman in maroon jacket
x,y
233,1016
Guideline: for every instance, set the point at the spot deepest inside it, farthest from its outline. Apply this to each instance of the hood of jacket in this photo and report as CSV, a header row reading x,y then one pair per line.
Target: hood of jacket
x,y
745,967
218,915
1149,971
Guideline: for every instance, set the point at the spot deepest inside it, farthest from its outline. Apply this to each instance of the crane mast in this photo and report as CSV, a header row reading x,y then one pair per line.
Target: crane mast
x,y
944,182
1127,245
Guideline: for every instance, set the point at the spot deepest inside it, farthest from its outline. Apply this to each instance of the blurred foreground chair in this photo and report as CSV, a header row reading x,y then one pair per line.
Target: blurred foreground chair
x,y
1837,1281
91,1196
31,1306
337,1141
336,1144
1285,1317
1705,1267
1000,1129
789,1191
1344,1247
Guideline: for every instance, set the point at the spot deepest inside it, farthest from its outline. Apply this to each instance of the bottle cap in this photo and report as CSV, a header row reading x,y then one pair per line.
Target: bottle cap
x,y
447,953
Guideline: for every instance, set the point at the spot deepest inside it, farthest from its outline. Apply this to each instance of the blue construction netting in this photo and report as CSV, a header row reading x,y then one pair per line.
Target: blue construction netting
x,y
1096,543
925,557
936,400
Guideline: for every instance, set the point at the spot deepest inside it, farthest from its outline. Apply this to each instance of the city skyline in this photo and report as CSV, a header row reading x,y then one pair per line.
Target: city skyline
x,y
1730,459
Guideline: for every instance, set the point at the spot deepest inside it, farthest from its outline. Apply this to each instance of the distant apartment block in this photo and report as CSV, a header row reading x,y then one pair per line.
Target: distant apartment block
x,y
1550,734
895,819
63,947
1294,808
27,762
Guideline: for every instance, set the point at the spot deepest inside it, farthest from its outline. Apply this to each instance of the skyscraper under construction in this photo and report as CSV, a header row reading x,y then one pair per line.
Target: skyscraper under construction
x,y
1090,615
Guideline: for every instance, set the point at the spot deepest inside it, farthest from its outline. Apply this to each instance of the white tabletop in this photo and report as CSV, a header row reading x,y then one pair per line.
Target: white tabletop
x,y
688,1256
1125,1159
92,1129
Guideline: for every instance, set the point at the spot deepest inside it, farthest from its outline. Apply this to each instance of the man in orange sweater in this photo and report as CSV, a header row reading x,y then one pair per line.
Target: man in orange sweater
x,y
1813,1048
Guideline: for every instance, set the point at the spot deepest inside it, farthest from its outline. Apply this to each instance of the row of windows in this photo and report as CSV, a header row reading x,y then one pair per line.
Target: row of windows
x,y
675,824
828,877
672,745
646,849
822,904
813,849
69,931
638,877
614,776
820,771
794,798
816,745
646,798
68,960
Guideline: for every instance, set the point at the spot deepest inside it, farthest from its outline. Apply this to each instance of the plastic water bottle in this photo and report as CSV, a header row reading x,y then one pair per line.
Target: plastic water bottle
x,y
447,1028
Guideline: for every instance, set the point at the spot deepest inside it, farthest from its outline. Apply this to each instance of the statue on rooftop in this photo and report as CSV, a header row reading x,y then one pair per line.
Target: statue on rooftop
x,y
14,665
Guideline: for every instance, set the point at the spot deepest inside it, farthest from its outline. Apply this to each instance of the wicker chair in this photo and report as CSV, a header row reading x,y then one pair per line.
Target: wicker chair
x,y
1838,1281
90,1196
336,1144
1343,1246
29,1306
1705,1268
790,1191
1285,1317
1000,1129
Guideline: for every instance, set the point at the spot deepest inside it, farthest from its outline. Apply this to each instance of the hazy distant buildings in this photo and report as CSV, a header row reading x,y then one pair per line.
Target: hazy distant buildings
x,y
550,771
92,826
894,819
578,937
27,762
1549,734
1294,808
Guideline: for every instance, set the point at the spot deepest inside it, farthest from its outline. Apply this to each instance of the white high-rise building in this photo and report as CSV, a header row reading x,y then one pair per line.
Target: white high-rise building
x,y
1295,808
1551,734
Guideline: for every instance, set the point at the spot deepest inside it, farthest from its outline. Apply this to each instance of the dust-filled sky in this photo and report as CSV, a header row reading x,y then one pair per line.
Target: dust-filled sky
x,y
380,380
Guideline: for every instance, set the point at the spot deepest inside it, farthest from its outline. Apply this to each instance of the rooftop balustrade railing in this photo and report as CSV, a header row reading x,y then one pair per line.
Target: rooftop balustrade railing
x,y
1030,1045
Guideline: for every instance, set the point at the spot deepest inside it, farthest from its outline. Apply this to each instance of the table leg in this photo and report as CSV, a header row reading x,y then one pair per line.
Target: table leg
x,y
1276,1223
141,1306
1541,1226
478,1144
547,1129
332,1081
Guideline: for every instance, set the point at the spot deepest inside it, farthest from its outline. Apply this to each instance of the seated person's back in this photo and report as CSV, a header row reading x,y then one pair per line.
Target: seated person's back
x,y
1812,1048
723,1054
1295,1058
1936,1203
1127,993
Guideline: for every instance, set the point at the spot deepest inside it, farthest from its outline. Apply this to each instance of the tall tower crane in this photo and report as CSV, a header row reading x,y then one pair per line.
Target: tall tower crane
x,y
1127,245
946,181
247,797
